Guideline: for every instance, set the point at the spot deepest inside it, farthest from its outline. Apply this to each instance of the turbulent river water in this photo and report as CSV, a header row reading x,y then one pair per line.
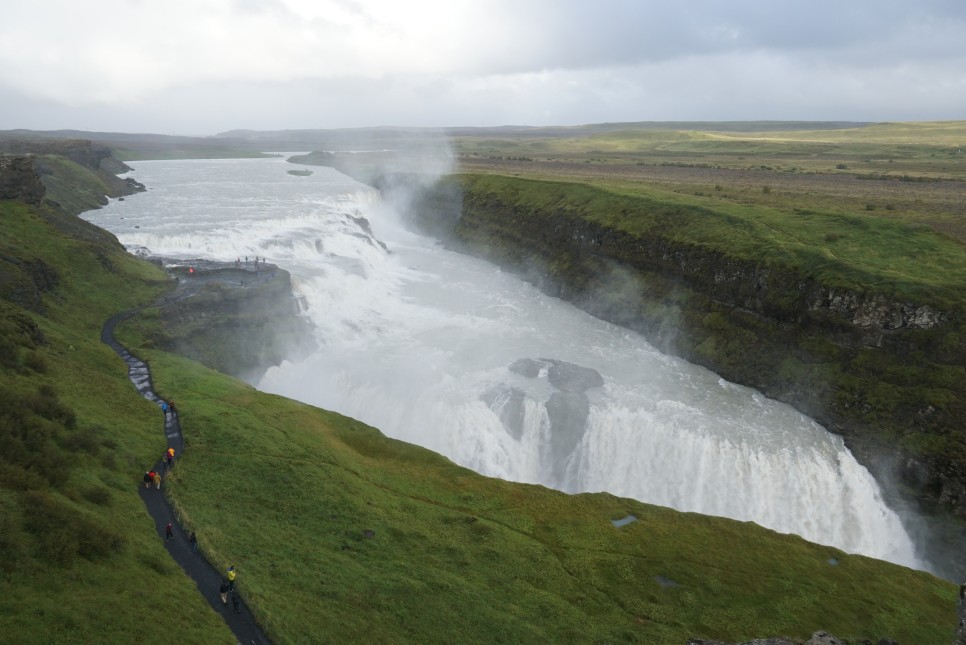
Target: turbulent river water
x,y
450,352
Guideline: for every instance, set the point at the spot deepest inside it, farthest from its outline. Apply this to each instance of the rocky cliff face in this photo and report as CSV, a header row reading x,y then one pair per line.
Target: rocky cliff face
x,y
52,165
79,151
19,179
884,373
24,280
239,322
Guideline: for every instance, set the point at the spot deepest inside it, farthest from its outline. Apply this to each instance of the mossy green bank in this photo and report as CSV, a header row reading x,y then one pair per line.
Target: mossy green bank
x,y
79,558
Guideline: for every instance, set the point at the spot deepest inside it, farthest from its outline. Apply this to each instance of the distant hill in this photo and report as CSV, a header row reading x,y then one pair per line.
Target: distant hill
x,y
253,143
377,137
132,146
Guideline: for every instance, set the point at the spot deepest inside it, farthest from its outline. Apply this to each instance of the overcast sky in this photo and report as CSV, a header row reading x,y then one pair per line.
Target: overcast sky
x,y
200,67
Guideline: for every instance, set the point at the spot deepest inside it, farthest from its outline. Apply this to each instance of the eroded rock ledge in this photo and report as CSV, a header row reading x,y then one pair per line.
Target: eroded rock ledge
x,y
238,320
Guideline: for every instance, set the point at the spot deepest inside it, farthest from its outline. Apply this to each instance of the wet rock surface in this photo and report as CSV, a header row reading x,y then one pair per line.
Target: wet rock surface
x,y
564,376
20,181
233,317
568,408
508,403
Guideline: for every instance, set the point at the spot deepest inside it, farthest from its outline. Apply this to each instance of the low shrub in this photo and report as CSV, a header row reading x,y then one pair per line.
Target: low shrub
x,y
97,495
62,533
35,362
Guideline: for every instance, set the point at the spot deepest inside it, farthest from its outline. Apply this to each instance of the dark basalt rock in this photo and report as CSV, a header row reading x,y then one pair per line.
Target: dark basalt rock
x,y
528,367
232,319
20,180
507,402
573,378
568,412
564,376
567,409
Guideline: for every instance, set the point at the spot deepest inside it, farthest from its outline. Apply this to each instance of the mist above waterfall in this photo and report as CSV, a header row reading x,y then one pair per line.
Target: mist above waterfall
x,y
452,353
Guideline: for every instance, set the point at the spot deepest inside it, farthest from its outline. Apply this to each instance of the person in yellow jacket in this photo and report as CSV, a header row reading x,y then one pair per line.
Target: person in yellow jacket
x,y
231,578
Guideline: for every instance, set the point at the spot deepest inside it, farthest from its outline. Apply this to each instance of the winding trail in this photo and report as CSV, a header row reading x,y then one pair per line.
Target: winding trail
x,y
205,575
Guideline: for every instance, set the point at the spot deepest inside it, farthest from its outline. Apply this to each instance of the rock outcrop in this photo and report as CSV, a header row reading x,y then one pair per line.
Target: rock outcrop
x,y
80,151
234,320
53,162
19,179
567,409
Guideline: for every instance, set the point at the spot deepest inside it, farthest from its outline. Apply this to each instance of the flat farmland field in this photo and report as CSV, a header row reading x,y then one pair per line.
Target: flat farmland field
x,y
911,172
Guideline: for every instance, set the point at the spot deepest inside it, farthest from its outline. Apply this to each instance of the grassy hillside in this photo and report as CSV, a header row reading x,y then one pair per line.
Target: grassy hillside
x,y
286,493
850,251
79,559
129,147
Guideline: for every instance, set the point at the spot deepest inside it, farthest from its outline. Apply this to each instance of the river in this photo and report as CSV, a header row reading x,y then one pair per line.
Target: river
x,y
451,353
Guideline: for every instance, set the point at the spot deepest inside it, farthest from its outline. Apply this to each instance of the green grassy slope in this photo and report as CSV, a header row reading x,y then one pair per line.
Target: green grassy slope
x,y
285,492
79,559
850,251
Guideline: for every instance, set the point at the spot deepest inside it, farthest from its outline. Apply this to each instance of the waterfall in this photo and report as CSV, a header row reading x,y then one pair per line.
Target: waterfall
x,y
451,353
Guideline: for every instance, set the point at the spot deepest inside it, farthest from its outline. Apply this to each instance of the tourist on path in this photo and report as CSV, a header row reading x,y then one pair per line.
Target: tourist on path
x,y
223,590
168,532
157,481
231,577
193,541
148,478
169,457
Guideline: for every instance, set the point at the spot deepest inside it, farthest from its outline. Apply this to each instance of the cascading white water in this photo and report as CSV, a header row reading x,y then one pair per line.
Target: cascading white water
x,y
451,353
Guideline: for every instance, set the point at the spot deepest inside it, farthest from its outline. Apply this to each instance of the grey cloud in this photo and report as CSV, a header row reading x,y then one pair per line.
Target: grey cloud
x,y
580,34
542,62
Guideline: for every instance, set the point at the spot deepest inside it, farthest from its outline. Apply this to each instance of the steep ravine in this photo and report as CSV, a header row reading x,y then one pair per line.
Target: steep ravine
x,y
885,374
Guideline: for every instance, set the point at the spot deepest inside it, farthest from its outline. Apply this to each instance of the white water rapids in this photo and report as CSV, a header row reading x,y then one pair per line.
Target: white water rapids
x,y
418,341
